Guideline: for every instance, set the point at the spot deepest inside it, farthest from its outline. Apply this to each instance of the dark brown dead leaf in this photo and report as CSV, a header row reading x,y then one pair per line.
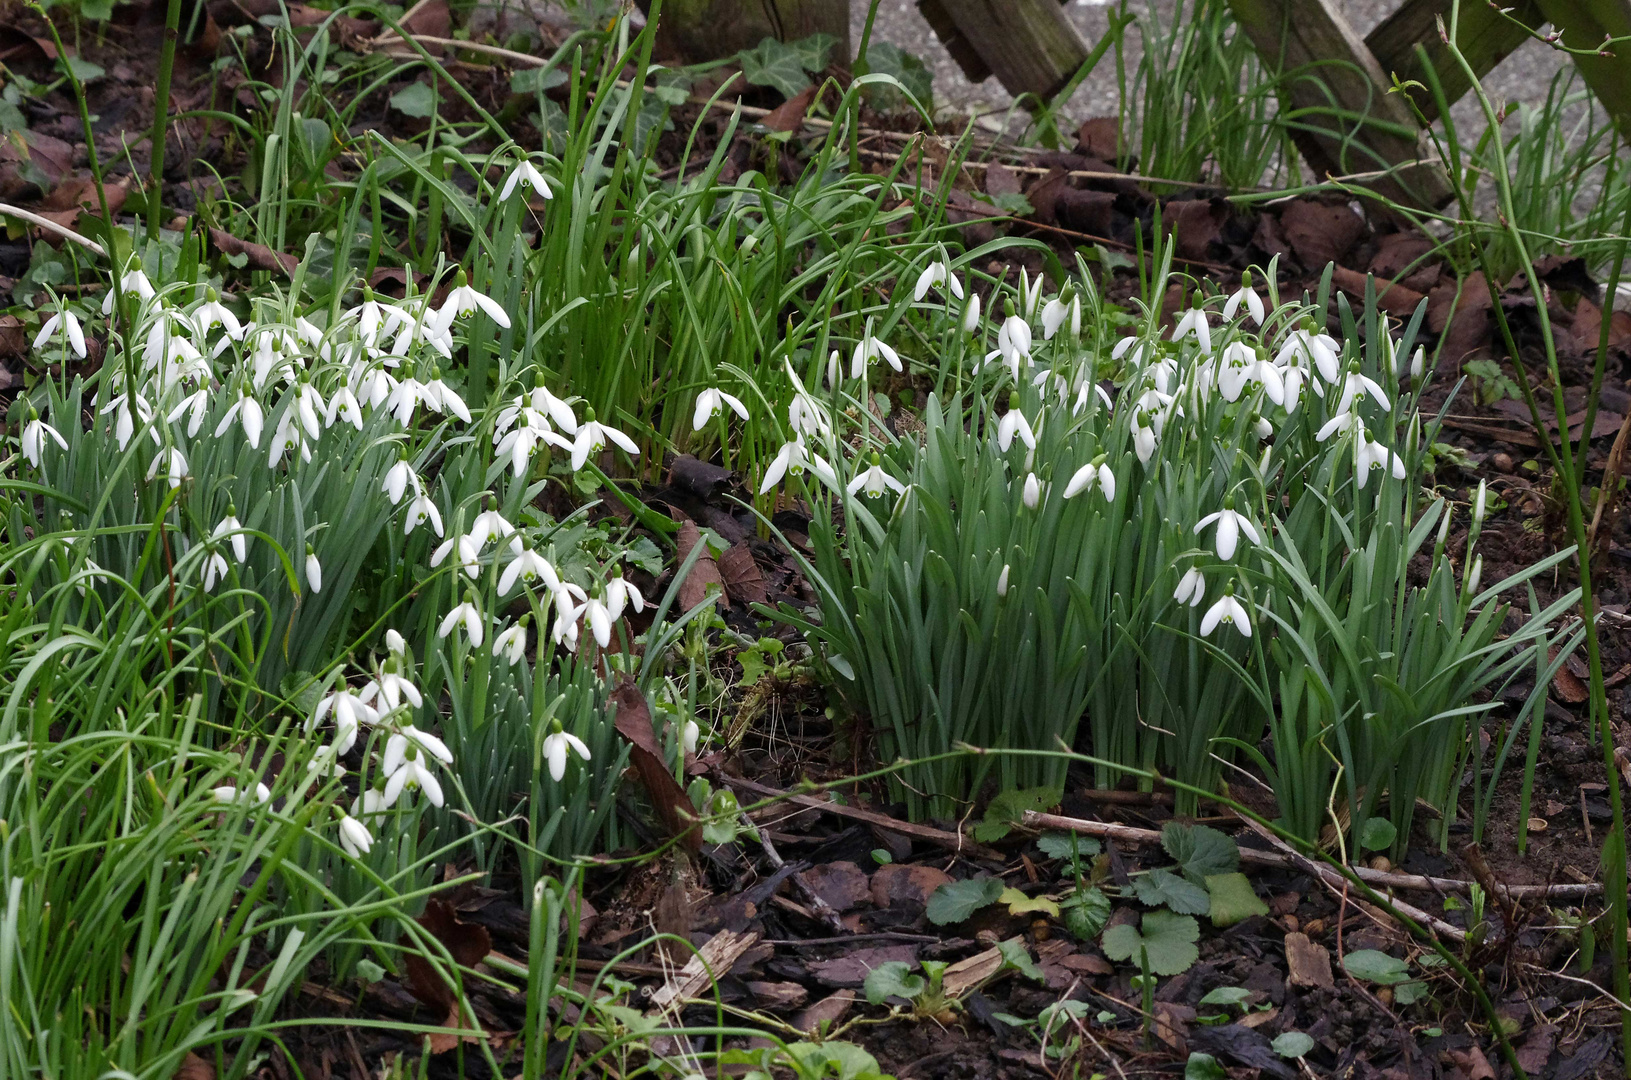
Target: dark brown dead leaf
x,y
433,19
79,193
667,797
260,256
701,478
1467,317
1404,257
16,45
1269,238
1568,686
789,115
1391,297
1001,180
1058,203
193,1067
704,577
1100,136
13,338
1196,225
468,944
744,582
1319,232
1536,1050
1588,327
1472,1064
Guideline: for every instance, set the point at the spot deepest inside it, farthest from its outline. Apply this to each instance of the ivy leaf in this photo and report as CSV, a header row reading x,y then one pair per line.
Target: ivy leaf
x,y
1163,888
1374,966
1292,1044
1015,955
417,100
772,63
1168,939
957,900
814,50
893,978
911,72
1020,904
1086,911
1008,809
1061,845
1232,899
536,80
1200,851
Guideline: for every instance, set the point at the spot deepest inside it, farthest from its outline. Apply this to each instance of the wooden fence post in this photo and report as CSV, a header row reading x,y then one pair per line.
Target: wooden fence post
x,y
1029,45
1484,37
709,29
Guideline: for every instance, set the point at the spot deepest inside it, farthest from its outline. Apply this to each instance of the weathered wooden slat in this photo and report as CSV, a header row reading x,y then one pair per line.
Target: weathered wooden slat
x,y
1585,23
1336,94
1029,45
707,29
1484,37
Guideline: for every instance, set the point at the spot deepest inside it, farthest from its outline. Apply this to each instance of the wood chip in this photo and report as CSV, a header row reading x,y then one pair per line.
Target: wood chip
x,y
1307,964
709,963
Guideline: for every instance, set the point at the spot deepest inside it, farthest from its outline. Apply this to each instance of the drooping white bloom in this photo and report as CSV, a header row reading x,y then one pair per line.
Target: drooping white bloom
x,y
408,738
868,349
172,463
1230,525
1226,610
343,406
806,416
1346,423
1030,292
397,479
1056,311
490,525
971,314
287,435
462,302
1320,351
469,551
1191,588
592,437
1014,342
556,746
874,481
197,403
937,274
35,432
689,736
1031,494
233,796
443,398
620,594
600,620
62,320
511,644
464,614
212,313
1373,455
1356,384
1479,503
413,773
355,838
1247,295
558,411
1474,576
526,567
1094,473
524,175
392,688
230,526
215,569
791,460
422,509
133,281
709,404
314,570
1194,322
1013,423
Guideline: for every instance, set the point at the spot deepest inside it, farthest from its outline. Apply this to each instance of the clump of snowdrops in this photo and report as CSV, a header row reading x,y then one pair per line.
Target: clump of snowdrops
x,y
1191,541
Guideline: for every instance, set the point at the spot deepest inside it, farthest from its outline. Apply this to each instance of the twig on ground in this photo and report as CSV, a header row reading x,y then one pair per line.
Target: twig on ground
x,y
52,227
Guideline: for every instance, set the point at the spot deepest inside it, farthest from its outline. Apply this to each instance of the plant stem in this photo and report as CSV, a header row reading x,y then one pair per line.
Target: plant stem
x,y
161,117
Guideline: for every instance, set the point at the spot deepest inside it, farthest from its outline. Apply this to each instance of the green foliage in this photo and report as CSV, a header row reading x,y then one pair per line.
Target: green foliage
x,y
1199,850
1086,911
784,65
1162,888
1068,845
1168,940
957,900
1008,809
1292,1044
913,75
1374,966
1232,899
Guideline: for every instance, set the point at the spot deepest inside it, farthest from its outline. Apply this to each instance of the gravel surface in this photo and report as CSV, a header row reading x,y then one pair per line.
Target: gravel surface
x,y
1523,77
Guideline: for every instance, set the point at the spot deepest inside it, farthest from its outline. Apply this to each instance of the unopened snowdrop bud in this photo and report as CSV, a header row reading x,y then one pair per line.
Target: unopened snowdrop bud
x,y
1474,576
971,313
1002,582
1418,362
689,734
1033,491
1443,531
835,370
1479,503
1264,428
314,570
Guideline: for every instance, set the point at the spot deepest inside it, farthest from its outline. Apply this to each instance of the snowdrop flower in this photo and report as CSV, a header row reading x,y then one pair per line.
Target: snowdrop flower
x,y
524,175
343,406
565,629
462,302
868,349
1145,437
399,747
592,437
600,620
373,317
689,735
1191,588
124,422
835,370
443,398
971,314
309,406
467,615
1321,351
412,773
621,594
392,688
1002,582
1056,311
355,838
232,796
518,445
1474,576
1373,455
511,645
528,566
231,525
285,437
1134,345
396,480
490,525
559,412
1226,610
937,274
35,432
172,464
1230,525
791,460
1014,341
1030,292
1248,295
710,403
1013,423
1031,496
1479,503
314,570
874,481
806,416
212,313
1357,385
395,644
469,550
1344,422
1194,322
422,509
1095,473
350,713
62,320
134,281
215,569
556,745
248,413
